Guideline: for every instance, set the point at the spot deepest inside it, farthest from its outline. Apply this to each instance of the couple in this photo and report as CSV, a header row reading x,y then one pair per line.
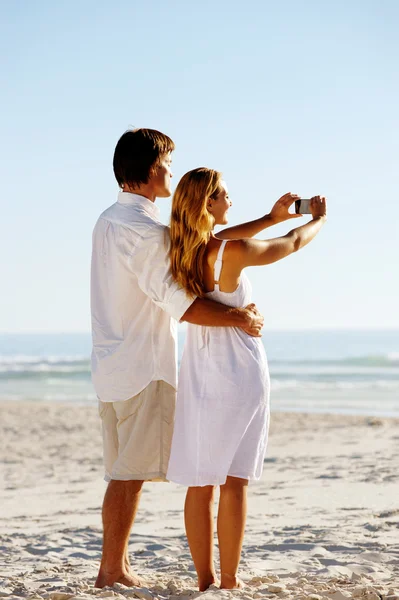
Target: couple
x,y
146,277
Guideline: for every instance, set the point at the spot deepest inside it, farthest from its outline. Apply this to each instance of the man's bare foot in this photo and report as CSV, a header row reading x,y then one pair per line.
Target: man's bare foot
x,y
108,579
128,567
229,582
205,583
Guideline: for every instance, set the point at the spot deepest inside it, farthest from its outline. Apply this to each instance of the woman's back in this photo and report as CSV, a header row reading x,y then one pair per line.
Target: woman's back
x,y
226,340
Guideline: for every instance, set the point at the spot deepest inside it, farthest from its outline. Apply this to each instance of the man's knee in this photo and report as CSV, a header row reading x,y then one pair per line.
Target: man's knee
x,y
204,492
133,486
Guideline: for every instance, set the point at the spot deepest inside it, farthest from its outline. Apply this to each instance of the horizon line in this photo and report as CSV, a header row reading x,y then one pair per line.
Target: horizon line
x,y
183,326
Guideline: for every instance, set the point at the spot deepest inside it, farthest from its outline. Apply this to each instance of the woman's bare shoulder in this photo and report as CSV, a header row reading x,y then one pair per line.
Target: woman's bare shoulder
x,y
232,255
233,247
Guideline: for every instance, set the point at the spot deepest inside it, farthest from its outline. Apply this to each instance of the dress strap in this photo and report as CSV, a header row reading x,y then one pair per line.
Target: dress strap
x,y
218,264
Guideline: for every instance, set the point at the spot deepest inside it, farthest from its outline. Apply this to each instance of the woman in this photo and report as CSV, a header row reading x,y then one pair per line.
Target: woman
x,y
222,413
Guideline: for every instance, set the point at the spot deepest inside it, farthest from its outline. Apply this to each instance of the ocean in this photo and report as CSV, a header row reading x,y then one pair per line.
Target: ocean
x,y
346,372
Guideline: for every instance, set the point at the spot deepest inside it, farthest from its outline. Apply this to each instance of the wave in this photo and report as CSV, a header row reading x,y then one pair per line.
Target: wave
x,y
27,366
31,359
337,385
87,398
22,366
390,359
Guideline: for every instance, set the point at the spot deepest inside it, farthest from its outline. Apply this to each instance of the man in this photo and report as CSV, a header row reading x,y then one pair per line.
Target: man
x,y
135,307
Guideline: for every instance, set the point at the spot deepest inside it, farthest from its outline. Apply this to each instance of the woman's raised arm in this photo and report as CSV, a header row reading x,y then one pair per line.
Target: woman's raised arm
x,y
278,214
263,252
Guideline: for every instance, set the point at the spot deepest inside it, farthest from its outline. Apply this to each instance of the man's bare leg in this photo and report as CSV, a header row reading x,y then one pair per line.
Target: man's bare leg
x,y
198,518
231,525
119,510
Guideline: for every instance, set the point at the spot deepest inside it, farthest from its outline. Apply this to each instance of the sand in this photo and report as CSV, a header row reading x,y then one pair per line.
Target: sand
x,y
323,521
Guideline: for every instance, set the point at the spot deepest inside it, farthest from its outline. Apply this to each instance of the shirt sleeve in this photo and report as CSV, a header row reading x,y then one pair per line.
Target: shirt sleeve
x,y
151,264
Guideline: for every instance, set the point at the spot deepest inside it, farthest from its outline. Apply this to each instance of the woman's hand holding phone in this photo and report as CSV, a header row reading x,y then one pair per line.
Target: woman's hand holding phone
x,y
318,207
280,211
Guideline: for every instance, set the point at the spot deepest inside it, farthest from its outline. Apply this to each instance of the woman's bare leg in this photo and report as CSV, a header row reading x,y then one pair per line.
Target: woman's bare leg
x,y
231,526
198,518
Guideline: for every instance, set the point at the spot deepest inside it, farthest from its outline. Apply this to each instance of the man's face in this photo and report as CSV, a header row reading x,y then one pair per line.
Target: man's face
x,y
161,180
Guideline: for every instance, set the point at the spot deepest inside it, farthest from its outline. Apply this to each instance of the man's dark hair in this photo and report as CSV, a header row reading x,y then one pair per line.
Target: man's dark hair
x,y
138,153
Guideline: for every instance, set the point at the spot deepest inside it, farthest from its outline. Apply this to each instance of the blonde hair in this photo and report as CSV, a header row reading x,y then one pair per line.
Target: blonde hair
x,y
191,226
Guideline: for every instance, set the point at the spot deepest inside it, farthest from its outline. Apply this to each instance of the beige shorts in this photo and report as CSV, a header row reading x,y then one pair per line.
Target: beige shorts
x,y
137,434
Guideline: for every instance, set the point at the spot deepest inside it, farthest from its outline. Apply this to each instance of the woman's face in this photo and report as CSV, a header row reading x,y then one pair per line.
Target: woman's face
x,y
220,204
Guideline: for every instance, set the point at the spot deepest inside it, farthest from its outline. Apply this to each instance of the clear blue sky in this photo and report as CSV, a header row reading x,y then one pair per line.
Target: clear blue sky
x,y
280,96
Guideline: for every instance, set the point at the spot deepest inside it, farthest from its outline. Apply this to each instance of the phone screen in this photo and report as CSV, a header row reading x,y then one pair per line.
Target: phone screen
x,y
302,207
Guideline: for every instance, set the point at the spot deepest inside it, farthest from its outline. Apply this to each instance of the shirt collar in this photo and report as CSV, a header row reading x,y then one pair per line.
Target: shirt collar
x,y
147,205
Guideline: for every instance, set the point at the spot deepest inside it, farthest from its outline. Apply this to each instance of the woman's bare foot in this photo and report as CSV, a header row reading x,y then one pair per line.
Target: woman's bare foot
x,y
127,577
229,582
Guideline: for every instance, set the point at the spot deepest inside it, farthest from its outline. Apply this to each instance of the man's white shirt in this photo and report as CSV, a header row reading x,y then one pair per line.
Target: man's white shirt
x,y
135,302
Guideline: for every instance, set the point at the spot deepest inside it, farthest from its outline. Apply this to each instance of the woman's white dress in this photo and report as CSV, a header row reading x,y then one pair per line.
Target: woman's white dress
x,y
222,410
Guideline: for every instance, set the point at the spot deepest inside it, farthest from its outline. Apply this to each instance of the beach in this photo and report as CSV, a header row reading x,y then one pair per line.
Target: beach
x,y
323,522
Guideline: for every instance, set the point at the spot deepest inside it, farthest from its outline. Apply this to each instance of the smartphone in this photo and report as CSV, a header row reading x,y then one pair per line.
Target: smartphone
x,y
302,206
